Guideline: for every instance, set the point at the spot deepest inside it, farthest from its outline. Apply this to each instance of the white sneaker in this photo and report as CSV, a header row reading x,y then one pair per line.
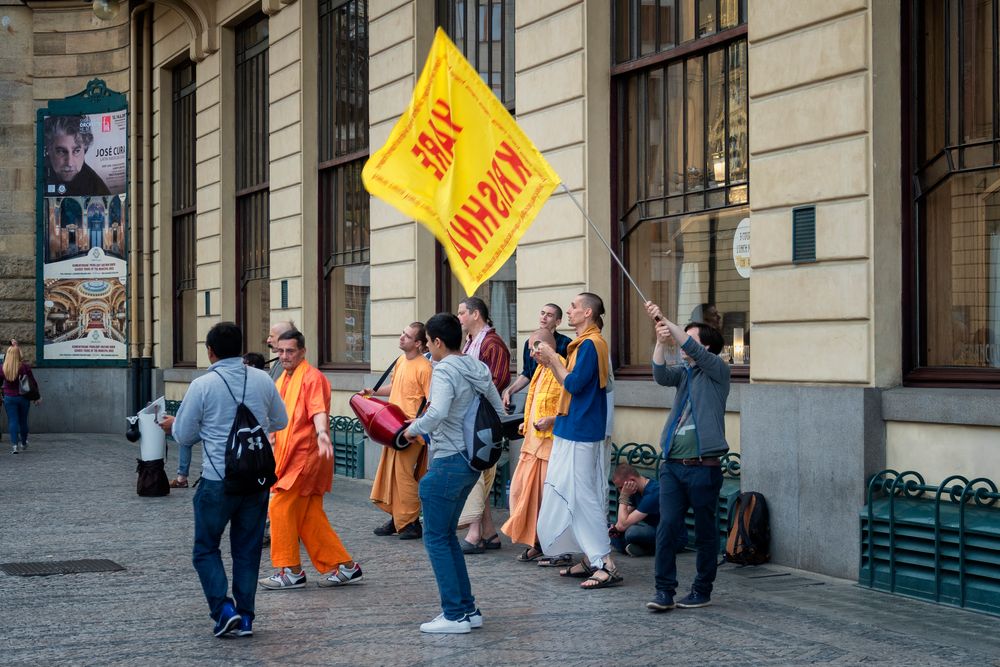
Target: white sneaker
x,y
475,619
442,625
283,579
342,576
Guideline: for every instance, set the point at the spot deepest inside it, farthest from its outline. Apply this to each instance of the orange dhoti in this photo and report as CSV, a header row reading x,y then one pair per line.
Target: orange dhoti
x,y
295,517
396,486
526,495
529,476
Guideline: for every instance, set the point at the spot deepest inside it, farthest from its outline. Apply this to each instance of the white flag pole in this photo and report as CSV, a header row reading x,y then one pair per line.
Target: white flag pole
x,y
601,236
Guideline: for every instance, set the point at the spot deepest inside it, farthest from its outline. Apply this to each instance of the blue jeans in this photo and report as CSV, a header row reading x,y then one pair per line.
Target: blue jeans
x,y
183,459
17,418
213,509
640,534
682,487
443,491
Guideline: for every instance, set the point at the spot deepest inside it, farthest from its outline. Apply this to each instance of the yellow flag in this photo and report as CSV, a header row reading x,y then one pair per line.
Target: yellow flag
x,y
457,162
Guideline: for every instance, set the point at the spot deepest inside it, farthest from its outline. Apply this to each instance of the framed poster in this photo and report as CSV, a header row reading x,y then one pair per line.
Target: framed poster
x,y
83,226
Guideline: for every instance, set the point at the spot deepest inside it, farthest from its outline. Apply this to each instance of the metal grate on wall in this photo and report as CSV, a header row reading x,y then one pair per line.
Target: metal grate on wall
x,y
804,234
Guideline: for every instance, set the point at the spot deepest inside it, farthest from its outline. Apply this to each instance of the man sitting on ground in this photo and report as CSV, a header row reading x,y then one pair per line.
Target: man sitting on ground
x,y
634,533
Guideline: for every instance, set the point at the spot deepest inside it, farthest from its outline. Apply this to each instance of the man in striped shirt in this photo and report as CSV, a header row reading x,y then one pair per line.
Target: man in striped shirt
x,y
482,342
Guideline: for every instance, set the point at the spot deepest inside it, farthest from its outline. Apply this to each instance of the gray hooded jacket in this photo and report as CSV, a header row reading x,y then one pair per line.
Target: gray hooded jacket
x,y
454,384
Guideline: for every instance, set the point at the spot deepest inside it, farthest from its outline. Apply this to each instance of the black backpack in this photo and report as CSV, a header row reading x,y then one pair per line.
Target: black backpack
x,y
749,540
249,459
483,434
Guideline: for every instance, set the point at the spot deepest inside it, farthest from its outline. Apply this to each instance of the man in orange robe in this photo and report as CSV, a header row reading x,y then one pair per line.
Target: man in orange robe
x,y
395,489
540,409
303,453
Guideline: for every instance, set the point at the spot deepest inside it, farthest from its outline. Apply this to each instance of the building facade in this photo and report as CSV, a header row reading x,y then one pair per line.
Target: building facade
x,y
859,139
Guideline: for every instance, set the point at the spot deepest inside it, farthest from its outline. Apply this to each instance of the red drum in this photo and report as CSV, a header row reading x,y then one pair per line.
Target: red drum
x,y
383,422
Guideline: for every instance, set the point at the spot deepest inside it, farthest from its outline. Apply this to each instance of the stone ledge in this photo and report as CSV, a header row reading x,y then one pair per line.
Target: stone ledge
x,y
970,407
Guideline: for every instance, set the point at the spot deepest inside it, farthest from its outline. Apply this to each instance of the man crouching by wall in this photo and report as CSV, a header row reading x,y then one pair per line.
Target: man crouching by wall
x,y
694,439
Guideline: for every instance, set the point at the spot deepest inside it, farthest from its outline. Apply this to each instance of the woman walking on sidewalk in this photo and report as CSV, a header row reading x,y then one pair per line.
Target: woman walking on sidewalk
x,y
14,368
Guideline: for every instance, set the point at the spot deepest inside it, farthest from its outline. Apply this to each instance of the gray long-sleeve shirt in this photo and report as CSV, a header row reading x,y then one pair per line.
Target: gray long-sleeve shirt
x,y
454,384
707,383
207,411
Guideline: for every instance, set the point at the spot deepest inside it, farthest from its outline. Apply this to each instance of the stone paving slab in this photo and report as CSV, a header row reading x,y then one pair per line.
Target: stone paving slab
x,y
72,497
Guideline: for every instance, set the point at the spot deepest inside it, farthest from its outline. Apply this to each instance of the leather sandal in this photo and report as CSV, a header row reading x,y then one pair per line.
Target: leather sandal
x,y
526,556
492,543
178,484
470,548
612,579
581,570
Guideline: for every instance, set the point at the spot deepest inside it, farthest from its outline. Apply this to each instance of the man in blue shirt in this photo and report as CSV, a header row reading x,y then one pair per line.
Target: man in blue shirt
x,y
207,414
634,531
550,317
573,514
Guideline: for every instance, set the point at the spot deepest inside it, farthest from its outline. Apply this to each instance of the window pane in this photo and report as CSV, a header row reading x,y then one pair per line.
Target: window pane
x,y
729,14
348,290
962,245
716,119
685,265
977,69
654,134
623,44
668,24
685,11
706,17
647,27
738,137
675,128
695,82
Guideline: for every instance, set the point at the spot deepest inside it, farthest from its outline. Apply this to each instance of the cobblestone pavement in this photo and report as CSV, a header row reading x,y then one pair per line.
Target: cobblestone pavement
x,y
71,497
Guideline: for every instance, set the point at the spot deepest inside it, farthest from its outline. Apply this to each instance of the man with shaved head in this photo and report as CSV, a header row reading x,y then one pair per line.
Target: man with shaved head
x,y
275,332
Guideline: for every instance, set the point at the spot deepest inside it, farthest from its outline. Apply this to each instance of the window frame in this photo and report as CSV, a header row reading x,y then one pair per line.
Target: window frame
x,y
332,160
914,256
184,209
252,187
620,71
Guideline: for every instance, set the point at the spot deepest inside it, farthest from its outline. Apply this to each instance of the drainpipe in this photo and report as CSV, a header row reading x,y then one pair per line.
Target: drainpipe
x,y
146,379
133,200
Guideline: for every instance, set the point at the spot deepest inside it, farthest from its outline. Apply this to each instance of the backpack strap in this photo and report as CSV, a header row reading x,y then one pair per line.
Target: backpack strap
x,y
216,371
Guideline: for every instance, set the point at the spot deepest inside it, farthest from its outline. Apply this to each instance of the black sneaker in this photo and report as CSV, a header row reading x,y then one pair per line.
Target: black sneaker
x,y
386,529
635,551
693,600
412,531
662,601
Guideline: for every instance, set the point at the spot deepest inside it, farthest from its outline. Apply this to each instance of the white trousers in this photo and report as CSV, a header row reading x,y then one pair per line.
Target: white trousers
x,y
573,516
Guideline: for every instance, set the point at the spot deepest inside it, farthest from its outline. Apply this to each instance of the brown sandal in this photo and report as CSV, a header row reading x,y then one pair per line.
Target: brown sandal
x,y
581,570
178,484
613,579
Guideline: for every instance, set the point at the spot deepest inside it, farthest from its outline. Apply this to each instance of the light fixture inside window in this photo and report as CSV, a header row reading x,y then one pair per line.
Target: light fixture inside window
x,y
106,10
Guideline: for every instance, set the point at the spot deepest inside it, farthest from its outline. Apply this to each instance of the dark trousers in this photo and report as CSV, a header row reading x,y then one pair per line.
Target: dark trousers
x,y
213,509
682,487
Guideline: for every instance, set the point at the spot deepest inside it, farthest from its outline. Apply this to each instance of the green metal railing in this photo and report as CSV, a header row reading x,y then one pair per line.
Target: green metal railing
x,y
349,438
935,542
647,460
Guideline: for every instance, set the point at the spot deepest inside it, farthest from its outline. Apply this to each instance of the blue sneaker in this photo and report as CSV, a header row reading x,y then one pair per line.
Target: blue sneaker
x,y
475,619
662,601
228,619
694,599
246,627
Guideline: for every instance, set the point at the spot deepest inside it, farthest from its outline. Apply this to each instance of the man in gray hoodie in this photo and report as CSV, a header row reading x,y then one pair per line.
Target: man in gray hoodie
x,y
456,381
693,441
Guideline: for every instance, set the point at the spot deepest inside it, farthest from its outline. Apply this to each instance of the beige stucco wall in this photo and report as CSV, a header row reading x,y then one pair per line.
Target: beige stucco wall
x,y
817,125
937,451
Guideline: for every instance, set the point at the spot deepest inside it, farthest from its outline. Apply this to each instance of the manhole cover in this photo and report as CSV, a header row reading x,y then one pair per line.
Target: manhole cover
x,y
60,567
